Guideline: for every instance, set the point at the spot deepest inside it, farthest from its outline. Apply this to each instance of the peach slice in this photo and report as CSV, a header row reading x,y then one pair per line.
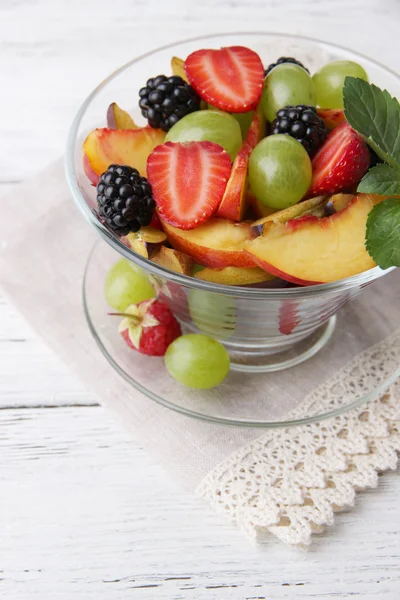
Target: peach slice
x,y
174,260
234,202
341,201
178,67
234,275
90,174
104,147
257,129
332,116
310,250
145,242
118,118
313,206
149,234
217,243
136,244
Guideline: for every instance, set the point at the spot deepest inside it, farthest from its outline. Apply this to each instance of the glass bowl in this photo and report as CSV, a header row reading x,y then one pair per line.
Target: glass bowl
x,y
357,360
264,329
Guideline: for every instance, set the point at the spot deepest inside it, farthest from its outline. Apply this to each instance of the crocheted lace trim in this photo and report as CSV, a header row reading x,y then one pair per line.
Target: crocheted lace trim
x,y
290,482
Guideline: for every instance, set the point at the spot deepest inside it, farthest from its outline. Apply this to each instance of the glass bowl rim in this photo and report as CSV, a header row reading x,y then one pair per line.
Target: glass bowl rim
x,y
360,279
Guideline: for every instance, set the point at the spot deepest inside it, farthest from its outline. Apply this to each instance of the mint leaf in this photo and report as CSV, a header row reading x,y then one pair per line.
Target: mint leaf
x,y
382,180
376,116
383,233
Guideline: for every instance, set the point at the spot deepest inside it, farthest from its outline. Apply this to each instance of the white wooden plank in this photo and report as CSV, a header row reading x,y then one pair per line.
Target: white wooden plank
x,y
84,513
30,373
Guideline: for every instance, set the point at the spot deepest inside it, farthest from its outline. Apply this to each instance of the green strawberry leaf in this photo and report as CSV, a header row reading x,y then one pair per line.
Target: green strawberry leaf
x,y
383,233
376,116
382,180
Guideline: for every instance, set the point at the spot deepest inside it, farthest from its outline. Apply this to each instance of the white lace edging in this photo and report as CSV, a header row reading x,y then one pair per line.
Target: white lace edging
x,y
290,482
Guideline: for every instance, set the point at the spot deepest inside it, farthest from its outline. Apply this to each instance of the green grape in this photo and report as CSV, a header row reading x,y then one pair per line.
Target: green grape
x,y
286,85
126,284
213,314
244,119
208,125
329,82
279,171
197,361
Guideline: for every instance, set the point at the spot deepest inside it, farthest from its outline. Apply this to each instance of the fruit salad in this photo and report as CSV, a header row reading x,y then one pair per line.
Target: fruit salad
x,y
245,174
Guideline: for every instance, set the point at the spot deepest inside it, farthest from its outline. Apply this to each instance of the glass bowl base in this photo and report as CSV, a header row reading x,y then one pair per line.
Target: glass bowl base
x,y
254,360
350,360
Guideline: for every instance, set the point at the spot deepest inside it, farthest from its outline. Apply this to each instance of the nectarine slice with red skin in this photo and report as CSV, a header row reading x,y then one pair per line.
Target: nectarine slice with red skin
x,y
332,117
257,129
312,250
234,202
90,174
234,275
217,243
104,147
233,205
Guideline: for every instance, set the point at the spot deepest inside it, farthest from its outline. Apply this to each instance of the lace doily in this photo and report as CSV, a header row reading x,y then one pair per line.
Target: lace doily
x,y
290,482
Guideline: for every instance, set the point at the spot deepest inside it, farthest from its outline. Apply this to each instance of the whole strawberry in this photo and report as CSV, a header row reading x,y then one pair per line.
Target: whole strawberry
x,y
149,327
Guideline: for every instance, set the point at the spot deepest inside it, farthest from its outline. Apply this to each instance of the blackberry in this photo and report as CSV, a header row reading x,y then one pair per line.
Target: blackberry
x,y
165,100
284,59
302,123
124,199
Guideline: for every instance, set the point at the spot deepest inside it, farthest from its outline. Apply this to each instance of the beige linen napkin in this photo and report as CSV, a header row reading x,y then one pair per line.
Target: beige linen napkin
x,y
287,481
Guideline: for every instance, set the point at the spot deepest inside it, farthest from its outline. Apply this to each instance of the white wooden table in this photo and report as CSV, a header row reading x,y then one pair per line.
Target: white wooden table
x,y
84,513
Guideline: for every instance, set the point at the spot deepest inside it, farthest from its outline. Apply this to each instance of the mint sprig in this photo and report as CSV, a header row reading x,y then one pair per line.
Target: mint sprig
x,y
382,179
383,233
375,114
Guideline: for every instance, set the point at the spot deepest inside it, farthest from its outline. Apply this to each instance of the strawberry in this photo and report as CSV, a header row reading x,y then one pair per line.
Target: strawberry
x,y
155,221
289,317
149,327
188,181
340,163
231,78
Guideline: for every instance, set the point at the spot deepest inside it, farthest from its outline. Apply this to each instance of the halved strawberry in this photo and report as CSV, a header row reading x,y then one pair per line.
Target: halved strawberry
x,y
231,78
340,163
188,181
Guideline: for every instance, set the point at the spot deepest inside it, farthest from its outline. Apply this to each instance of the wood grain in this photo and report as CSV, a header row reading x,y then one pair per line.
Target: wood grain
x,y
84,513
